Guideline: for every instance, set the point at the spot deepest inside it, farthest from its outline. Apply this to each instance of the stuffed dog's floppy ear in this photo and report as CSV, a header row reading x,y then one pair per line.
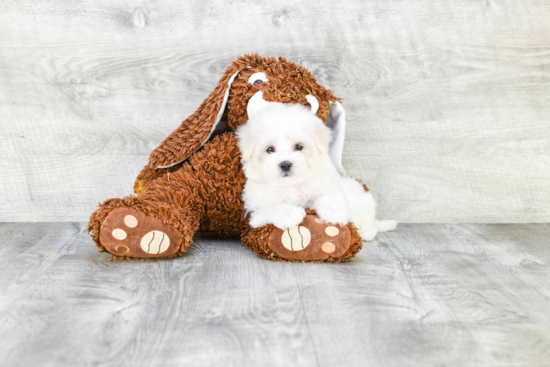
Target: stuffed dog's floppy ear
x,y
336,120
195,131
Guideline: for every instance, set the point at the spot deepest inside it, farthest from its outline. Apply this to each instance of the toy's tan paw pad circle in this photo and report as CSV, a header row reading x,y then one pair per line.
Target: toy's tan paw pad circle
x,y
155,242
296,239
130,221
133,234
328,247
119,234
312,240
331,231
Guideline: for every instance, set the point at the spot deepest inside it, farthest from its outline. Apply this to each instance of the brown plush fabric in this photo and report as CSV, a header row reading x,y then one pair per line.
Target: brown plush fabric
x,y
201,190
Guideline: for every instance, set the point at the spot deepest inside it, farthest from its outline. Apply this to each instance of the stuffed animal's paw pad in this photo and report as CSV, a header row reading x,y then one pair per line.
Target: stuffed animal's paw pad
x,y
127,232
297,238
155,242
312,240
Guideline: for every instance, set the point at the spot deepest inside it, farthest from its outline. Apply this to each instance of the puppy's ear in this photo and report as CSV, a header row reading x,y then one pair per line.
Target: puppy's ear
x,y
336,121
195,131
321,137
246,141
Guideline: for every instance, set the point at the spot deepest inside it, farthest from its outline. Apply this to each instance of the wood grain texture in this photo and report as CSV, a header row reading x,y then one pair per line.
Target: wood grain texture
x,y
447,102
426,295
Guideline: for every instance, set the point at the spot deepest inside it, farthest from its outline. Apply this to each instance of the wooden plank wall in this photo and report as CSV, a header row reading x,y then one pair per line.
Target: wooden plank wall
x,y
448,101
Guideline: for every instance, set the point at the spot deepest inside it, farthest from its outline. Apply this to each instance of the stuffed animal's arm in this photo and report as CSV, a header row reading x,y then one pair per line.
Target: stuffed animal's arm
x,y
145,177
177,147
173,151
189,136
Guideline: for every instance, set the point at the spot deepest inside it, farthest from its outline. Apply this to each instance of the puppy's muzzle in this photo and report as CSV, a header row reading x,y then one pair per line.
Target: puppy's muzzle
x,y
285,167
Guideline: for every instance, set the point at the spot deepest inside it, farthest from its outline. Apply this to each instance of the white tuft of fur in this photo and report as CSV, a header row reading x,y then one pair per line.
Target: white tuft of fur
x,y
386,225
293,135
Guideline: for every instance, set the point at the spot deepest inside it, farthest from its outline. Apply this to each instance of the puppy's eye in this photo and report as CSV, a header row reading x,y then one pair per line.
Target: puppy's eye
x,y
270,150
298,147
307,104
257,78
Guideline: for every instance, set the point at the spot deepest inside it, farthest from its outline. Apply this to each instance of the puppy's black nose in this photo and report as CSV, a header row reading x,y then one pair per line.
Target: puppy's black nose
x,y
285,166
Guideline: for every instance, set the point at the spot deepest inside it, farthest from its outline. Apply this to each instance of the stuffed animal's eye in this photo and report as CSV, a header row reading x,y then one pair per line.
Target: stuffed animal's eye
x,y
257,78
307,104
298,147
270,150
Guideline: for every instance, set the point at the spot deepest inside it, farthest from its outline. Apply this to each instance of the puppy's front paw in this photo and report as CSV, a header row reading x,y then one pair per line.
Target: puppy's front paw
x,y
289,217
333,214
257,220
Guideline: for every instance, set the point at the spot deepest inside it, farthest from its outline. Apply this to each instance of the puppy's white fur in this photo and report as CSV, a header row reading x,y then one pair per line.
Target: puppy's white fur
x,y
274,196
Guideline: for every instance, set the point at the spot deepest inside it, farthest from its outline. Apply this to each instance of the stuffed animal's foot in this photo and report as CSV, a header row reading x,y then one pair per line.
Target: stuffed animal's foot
x,y
311,241
129,233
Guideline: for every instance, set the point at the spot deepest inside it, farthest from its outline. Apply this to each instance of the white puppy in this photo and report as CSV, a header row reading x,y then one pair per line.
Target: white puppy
x,y
285,156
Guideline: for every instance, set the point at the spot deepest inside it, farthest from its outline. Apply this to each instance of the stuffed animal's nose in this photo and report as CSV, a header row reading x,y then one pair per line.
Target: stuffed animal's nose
x,y
285,166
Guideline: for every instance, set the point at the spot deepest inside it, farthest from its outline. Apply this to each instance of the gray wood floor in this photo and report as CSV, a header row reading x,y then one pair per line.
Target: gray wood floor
x,y
429,295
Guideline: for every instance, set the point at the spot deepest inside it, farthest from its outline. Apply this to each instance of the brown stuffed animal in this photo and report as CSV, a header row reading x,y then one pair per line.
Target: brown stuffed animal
x,y
194,180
